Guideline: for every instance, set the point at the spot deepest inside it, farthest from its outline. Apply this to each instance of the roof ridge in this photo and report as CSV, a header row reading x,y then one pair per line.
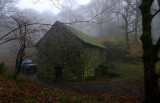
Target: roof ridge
x,y
84,37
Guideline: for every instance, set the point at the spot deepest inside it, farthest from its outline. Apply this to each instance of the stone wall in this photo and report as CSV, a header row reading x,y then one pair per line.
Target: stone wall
x,y
61,48
93,56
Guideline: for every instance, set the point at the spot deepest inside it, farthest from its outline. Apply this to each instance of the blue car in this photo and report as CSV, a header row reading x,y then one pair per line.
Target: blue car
x,y
28,67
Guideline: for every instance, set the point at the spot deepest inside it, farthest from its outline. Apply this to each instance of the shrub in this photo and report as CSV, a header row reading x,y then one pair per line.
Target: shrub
x,y
115,52
108,70
3,68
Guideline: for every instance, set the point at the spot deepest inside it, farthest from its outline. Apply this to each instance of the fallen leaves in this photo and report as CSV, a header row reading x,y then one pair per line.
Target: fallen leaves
x,y
31,92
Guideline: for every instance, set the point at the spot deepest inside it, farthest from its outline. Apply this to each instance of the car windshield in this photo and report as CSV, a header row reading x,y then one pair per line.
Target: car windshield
x,y
28,61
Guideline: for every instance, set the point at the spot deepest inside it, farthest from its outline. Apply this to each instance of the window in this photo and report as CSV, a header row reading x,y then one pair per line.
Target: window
x,y
28,61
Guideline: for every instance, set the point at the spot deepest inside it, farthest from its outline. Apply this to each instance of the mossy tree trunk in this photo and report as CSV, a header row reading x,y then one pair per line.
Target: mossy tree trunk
x,y
159,3
136,21
150,55
22,41
20,56
19,60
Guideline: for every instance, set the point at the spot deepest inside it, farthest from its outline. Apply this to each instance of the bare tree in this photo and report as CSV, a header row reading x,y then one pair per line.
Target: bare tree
x,y
100,12
4,5
25,35
4,10
137,16
127,14
150,54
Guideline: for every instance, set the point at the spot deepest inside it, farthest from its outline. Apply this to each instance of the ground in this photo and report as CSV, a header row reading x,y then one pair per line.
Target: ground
x,y
125,88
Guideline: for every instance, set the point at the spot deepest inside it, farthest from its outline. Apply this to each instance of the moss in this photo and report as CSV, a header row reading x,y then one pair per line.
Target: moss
x,y
85,37
92,58
64,48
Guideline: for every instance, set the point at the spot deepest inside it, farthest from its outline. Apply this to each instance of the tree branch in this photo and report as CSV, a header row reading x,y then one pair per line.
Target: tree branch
x,y
23,26
131,31
155,13
15,38
158,3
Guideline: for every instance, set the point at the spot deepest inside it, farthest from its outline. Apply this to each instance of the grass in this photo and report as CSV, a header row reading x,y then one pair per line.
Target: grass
x,y
158,68
125,71
132,71
129,70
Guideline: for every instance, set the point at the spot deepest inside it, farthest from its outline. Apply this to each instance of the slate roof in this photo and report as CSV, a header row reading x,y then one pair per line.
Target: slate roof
x,y
85,38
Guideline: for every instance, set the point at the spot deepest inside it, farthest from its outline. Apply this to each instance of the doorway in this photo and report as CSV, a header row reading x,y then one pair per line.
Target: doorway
x,y
58,70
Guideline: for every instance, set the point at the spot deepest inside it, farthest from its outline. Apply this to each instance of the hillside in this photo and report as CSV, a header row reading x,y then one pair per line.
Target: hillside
x,y
126,87
27,91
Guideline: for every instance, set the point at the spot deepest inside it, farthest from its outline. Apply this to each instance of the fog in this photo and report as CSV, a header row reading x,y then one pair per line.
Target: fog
x,y
101,19
79,51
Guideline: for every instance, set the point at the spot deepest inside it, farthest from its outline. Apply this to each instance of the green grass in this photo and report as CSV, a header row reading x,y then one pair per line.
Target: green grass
x,y
158,68
124,71
129,70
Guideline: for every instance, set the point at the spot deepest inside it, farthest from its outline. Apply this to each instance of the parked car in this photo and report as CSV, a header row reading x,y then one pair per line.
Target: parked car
x,y
28,67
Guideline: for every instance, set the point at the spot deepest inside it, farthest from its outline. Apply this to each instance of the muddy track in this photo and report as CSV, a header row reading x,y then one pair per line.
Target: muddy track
x,y
130,87
82,87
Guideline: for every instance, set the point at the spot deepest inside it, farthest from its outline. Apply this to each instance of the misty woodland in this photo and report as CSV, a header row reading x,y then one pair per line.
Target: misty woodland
x,y
79,51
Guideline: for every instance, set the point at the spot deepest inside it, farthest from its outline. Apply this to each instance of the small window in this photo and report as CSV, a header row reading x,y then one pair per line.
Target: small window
x,y
28,61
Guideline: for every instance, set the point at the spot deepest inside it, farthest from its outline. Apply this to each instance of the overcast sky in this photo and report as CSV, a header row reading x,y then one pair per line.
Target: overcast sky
x,y
45,5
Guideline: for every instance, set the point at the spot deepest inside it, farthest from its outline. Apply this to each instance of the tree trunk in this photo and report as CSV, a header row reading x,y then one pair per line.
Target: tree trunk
x,y
136,34
19,61
150,82
136,28
127,38
150,79
136,22
100,30
159,3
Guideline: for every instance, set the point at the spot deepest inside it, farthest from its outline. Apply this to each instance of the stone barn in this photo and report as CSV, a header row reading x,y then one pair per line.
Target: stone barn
x,y
74,52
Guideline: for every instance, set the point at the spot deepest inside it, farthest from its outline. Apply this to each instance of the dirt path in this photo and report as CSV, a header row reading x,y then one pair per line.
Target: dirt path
x,y
103,87
129,87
